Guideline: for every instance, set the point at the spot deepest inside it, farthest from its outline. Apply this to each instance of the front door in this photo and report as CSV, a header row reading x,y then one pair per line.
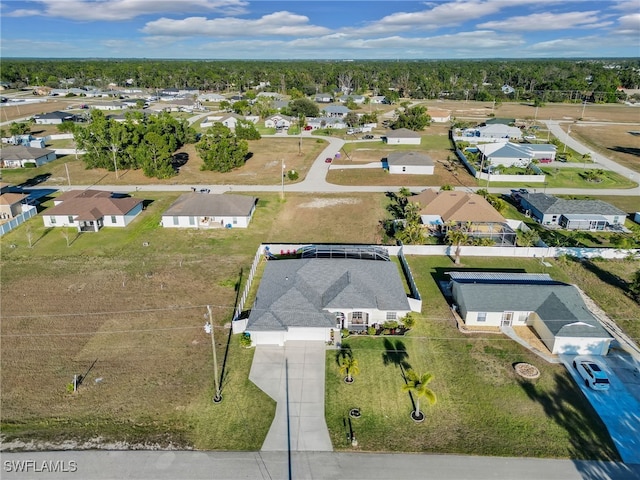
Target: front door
x,y
507,318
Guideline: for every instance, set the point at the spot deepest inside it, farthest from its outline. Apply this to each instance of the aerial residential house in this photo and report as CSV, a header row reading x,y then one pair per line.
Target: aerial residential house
x,y
200,210
313,298
413,163
402,136
446,209
439,115
109,106
326,122
555,310
54,118
90,210
571,214
323,98
20,156
281,122
211,97
357,99
335,111
11,204
378,99
489,133
515,154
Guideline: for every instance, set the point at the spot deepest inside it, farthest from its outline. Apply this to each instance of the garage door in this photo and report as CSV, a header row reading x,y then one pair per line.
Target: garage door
x,y
267,338
305,333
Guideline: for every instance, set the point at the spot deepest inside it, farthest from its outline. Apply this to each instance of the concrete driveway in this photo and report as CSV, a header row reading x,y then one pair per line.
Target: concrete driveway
x,y
617,407
293,376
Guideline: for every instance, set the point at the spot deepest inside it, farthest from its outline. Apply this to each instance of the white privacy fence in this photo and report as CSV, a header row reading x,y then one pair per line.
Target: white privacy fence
x,y
28,211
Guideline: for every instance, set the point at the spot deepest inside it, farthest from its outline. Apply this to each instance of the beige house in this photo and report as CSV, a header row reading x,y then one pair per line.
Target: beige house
x,y
444,209
11,205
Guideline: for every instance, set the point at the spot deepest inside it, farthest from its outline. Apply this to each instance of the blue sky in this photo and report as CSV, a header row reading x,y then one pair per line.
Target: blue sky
x,y
238,29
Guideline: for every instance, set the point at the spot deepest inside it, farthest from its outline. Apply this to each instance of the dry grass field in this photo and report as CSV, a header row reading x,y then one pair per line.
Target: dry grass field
x,y
616,142
139,311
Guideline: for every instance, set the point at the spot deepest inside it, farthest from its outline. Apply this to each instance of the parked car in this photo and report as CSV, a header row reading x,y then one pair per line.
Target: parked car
x,y
328,160
367,137
592,373
308,127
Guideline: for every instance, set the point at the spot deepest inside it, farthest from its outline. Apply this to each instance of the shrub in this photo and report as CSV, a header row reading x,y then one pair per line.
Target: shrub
x,y
344,332
390,324
245,340
409,320
371,330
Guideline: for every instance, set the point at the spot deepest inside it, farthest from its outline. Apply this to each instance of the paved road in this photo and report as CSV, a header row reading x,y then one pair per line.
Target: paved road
x,y
172,465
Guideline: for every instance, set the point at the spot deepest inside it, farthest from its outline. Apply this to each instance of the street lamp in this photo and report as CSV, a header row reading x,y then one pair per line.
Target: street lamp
x,y
208,328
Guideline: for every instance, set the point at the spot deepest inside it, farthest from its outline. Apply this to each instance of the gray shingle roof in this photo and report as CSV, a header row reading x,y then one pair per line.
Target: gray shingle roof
x,y
299,292
211,205
558,305
402,133
20,152
409,158
548,204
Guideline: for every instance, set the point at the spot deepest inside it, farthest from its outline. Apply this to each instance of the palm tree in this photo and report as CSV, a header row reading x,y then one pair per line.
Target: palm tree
x,y
417,384
349,367
456,237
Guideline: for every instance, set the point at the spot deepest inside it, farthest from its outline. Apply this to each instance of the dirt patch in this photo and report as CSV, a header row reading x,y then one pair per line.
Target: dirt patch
x,y
329,202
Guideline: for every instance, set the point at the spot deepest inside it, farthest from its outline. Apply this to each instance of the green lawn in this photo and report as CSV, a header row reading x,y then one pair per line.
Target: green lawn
x,y
569,178
483,408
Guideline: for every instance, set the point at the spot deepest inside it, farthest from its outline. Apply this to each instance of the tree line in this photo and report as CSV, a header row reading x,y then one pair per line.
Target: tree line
x,y
549,80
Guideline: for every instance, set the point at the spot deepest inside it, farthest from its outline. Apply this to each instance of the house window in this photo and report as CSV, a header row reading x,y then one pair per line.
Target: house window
x,y
404,169
392,315
235,221
554,218
70,218
176,220
482,317
113,219
192,221
52,220
523,317
357,318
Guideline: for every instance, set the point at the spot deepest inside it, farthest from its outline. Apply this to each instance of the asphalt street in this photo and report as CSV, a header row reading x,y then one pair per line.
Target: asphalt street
x,y
174,465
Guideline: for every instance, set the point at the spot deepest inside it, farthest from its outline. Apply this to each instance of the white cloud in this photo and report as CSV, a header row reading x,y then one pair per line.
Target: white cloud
x,y
629,25
546,21
116,10
277,23
626,5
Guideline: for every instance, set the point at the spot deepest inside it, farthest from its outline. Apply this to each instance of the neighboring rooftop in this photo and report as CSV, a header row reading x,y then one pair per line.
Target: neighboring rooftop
x,y
550,204
200,204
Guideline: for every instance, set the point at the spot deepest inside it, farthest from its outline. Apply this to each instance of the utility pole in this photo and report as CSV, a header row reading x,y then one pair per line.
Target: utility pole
x,y
282,175
217,398
66,167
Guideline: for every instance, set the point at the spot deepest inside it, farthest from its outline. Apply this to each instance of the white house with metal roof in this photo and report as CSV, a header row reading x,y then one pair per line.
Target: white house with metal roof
x,y
555,310
202,210
313,298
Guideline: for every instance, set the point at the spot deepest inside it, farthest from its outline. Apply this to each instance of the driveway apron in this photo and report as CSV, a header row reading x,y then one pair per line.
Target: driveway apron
x,y
293,376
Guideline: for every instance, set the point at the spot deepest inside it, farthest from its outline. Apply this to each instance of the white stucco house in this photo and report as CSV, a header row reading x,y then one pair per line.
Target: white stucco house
x,y
496,132
402,136
439,115
53,118
555,310
18,156
279,121
410,163
201,210
516,154
313,298
571,214
90,210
